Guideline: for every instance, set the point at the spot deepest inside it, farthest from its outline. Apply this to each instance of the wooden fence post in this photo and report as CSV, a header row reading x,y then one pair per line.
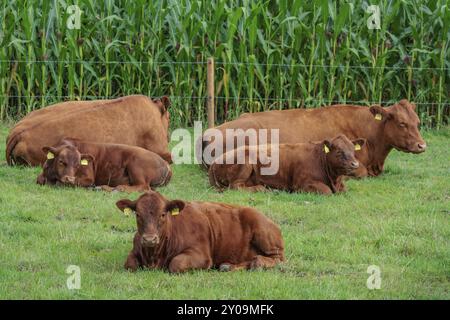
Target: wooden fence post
x,y
210,88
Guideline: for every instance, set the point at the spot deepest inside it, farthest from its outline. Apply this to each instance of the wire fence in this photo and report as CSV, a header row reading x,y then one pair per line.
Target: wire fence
x,y
334,101
165,63
259,94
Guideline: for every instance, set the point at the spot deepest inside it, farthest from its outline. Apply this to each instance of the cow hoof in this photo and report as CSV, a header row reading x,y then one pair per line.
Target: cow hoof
x,y
225,267
98,188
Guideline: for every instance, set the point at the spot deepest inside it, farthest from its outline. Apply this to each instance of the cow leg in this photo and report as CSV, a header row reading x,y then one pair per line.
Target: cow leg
x,y
139,180
340,186
41,179
105,188
317,187
234,267
189,260
262,262
258,262
137,188
245,186
132,262
239,175
268,242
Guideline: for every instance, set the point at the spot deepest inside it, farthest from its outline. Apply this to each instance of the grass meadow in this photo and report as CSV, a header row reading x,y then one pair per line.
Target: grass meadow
x,y
398,221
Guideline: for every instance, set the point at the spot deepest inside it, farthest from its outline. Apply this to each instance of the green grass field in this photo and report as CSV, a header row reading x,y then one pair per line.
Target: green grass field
x,y
398,221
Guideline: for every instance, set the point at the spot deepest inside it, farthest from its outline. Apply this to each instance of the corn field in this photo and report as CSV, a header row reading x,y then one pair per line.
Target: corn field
x,y
269,54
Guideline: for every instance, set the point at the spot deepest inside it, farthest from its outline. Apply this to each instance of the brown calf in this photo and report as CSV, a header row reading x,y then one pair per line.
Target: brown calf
x,y
179,236
85,164
308,167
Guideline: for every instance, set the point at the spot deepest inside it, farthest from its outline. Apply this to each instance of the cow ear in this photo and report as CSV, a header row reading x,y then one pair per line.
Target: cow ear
x,y
50,152
378,112
166,102
405,103
175,206
125,205
86,159
359,143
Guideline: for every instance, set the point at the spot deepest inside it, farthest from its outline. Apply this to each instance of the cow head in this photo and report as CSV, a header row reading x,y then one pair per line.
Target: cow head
x,y
152,213
401,126
68,166
340,155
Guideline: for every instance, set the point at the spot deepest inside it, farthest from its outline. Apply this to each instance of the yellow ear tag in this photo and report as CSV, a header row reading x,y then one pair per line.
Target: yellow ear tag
x,y
325,148
357,147
84,162
50,155
378,116
127,211
175,212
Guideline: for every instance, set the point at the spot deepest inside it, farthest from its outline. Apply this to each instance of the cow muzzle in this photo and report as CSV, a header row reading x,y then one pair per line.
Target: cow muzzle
x,y
68,180
421,147
354,164
150,240
418,147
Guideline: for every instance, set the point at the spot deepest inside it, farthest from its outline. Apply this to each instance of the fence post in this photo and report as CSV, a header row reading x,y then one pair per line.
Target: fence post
x,y
210,88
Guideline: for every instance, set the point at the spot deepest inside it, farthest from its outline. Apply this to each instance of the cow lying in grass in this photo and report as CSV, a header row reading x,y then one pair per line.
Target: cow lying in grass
x,y
108,166
309,167
393,127
132,120
179,236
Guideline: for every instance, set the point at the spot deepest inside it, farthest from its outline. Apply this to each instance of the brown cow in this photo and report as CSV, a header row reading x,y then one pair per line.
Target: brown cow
x,y
132,120
308,167
383,128
179,236
84,164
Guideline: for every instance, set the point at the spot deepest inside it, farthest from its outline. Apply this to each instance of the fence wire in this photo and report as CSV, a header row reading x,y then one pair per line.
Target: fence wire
x,y
224,63
335,101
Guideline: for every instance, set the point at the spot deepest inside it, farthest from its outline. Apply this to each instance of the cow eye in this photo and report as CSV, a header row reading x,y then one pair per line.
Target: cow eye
x,y
403,125
62,163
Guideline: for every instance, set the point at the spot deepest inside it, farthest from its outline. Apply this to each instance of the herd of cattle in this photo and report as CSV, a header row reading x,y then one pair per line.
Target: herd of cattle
x,y
123,145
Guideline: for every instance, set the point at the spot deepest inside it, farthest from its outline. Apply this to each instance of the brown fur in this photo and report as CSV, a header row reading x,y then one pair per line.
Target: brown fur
x,y
203,235
132,120
302,167
398,128
122,167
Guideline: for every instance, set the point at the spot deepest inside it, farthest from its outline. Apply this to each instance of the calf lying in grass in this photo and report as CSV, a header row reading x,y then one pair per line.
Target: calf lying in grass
x,y
109,166
308,167
179,236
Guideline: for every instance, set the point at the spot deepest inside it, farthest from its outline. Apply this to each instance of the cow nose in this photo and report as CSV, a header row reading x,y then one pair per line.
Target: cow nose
x,y
422,146
355,164
69,179
150,239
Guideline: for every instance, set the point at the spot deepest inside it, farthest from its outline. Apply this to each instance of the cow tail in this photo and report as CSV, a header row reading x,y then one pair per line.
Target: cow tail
x,y
213,178
11,143
168,175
